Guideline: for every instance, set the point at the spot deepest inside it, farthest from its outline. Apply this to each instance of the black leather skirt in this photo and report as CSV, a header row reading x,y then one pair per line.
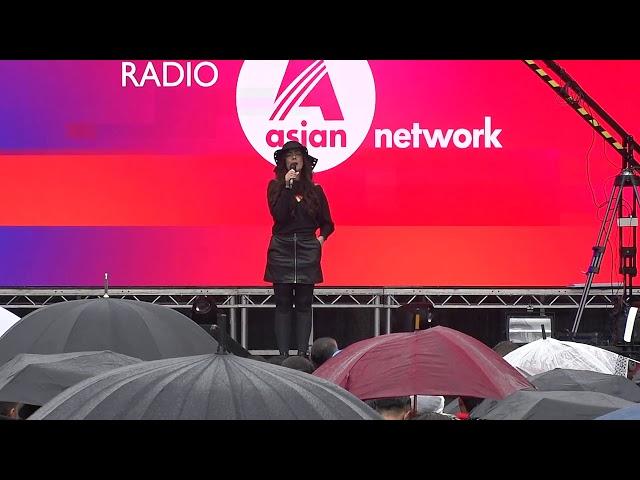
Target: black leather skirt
x,y
294,259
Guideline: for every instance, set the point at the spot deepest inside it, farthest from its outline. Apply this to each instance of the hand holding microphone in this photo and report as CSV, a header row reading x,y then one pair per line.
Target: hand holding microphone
x,y
291,175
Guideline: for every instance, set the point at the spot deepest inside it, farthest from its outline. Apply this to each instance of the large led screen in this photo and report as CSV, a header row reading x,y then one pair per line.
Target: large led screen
x,y
438,173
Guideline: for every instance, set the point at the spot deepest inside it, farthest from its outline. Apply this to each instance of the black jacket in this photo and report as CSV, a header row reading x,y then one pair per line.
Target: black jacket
x,y
294,252
291,217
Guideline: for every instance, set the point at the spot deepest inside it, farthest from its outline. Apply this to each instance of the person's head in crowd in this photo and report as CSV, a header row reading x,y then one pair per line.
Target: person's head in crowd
x,y
434,416
26,410
9,409
392,408
322,350
299,363
277,360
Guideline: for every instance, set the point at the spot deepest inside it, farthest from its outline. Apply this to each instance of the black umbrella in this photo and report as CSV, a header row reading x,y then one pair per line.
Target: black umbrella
x,y
537,405
138,329
586,380
214,387
35,379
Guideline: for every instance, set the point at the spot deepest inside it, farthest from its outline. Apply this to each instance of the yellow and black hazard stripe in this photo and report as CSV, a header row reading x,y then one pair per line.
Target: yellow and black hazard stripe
x,y
575,104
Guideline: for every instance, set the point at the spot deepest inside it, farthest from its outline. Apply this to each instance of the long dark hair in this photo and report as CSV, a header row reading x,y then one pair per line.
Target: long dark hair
x,y
304,186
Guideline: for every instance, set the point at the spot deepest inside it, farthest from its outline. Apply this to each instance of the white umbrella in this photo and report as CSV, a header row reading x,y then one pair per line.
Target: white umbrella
x,y
7,319
546,354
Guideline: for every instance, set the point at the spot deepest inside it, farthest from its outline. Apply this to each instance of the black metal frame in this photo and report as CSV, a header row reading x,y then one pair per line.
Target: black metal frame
x,y
575,96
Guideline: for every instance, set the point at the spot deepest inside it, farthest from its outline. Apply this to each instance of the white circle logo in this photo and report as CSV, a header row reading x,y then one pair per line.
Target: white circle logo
x,y
327,105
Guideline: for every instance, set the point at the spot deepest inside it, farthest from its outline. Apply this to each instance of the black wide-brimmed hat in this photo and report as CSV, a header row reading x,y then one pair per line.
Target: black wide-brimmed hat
x,y
293,145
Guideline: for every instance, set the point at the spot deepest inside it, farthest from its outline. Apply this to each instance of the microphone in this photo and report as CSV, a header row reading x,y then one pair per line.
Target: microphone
x,y
294,167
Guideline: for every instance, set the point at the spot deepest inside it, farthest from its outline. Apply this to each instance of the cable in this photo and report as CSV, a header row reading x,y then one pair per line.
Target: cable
x,y
593,193
604,149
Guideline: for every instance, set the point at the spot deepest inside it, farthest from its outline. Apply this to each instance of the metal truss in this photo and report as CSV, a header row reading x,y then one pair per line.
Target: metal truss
x,y
383,300
239,301
388,298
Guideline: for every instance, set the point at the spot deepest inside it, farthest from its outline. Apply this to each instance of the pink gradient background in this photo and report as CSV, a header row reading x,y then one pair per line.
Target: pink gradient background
x,y
78,150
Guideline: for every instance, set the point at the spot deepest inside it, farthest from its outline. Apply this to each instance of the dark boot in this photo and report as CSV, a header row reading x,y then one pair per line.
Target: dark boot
x,y
283,331
303,330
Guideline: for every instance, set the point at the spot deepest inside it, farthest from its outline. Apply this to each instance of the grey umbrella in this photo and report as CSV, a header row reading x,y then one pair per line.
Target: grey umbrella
x,y
540,405
138,329
586,380
35,379
452,407
215,387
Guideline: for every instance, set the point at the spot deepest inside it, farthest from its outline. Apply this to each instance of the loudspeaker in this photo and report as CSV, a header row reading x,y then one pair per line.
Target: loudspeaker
x,y
204,310
205,313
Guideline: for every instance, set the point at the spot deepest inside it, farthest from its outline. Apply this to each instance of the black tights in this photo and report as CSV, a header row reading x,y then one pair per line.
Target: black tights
x,y
286,295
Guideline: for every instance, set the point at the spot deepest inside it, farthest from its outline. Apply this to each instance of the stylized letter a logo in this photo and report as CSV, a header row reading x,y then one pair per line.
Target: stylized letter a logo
x,y
327,105
307,84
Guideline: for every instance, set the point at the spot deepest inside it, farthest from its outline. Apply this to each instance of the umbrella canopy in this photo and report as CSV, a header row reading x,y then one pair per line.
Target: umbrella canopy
x,y
535,405
585,380
504,347
546,354
205,387
7,319
628,413
36,379
452,407
138,329
436,361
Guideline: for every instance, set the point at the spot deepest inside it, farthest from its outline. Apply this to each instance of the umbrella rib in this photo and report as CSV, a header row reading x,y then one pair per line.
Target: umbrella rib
x,y
246,371
237,407
212,390
178,368
44,331
279,392
82,307
141,313
484,374
193,386
307,388
348,366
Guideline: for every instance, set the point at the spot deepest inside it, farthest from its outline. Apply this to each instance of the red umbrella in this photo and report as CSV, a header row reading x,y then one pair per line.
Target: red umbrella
x,y
436,361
